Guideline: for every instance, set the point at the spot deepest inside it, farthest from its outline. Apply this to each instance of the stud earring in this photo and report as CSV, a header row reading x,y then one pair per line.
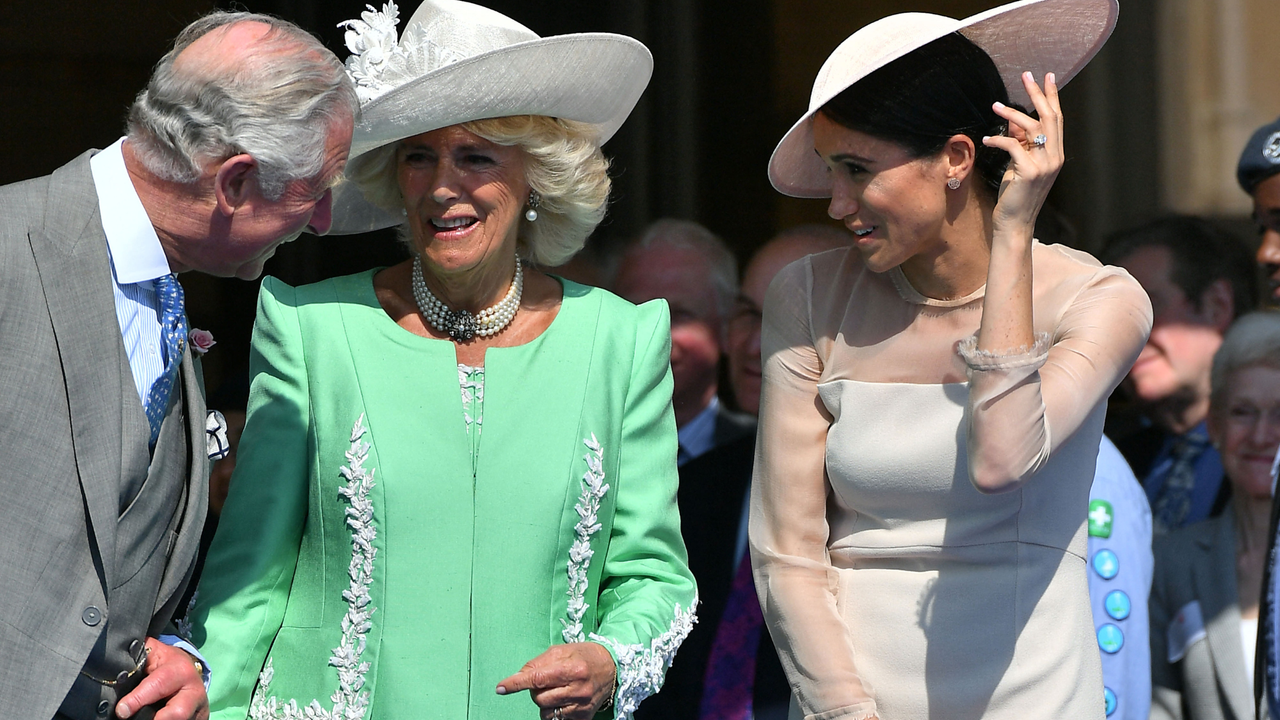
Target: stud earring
x,y
954,183
534,200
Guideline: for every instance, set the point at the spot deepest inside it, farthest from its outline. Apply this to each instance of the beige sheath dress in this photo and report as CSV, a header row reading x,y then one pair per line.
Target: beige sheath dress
x,y
892,587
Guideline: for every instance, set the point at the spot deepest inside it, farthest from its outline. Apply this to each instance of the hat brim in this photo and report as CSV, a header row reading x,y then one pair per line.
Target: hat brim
x,y
1040,36
594,78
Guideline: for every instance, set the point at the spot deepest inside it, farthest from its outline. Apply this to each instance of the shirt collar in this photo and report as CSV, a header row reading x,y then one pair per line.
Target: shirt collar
x,y
135,249
699,434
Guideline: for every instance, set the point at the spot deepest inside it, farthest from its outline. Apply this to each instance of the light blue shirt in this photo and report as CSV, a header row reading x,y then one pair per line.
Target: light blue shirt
x,y
1120,524
699,434
137,259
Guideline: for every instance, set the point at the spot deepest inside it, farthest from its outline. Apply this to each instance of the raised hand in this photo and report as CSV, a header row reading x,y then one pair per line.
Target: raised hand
x,y
1035,149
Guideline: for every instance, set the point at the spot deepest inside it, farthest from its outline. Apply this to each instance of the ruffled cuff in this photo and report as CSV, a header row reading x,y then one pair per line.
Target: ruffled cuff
x,y
1021,357
642,670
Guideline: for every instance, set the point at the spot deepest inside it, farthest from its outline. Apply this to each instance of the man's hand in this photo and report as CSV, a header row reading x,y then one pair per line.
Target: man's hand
x,y
172,677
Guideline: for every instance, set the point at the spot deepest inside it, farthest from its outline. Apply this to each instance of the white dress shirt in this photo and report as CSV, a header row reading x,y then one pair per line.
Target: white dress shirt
x,y
699,434
137,259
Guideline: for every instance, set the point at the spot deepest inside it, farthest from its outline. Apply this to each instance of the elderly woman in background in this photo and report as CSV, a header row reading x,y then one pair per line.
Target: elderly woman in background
x,y
1208,577
379,554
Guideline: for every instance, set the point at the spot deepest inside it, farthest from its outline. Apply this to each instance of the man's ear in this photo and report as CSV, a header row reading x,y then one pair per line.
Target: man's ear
x,y
235,180
1218,304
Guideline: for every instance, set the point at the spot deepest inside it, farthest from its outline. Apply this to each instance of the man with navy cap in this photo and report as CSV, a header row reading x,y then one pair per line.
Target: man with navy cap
x,y
1259,175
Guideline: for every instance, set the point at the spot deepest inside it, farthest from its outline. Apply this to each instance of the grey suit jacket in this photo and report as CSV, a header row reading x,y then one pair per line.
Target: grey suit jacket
x,y
61,404
1198,563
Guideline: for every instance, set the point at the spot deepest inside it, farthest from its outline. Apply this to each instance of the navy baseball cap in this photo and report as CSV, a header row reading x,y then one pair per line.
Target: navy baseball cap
x,y
1261,157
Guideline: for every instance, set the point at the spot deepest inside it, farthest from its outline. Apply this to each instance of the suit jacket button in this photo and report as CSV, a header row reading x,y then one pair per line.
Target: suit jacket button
x,y
135,648
103,707
91,616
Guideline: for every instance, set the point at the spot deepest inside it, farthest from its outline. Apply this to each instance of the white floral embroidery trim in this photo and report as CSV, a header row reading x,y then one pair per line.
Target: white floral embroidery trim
x,y
588,508
471,390
641,671
377,63
350,701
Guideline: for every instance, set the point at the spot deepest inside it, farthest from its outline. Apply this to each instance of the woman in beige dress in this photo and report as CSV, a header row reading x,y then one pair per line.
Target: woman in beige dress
x,y
931,413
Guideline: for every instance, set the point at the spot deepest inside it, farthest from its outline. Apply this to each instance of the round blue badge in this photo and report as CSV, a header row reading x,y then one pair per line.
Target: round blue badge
x,y
1106,564
1109,698
1117,604
1110,639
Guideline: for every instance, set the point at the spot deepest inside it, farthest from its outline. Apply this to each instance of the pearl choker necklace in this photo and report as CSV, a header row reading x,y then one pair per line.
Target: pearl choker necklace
x,y
460,324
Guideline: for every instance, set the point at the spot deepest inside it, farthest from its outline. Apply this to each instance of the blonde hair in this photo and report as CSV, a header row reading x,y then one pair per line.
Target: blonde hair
x,y
563,164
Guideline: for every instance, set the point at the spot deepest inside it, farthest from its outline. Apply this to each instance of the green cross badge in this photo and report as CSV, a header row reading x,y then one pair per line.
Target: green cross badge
x,y
1100,517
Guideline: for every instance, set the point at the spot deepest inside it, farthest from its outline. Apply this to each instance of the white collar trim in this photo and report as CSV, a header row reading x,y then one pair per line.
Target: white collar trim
x,y
135,248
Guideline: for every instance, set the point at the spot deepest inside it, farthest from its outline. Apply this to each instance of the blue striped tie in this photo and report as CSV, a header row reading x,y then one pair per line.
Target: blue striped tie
x,y
173,336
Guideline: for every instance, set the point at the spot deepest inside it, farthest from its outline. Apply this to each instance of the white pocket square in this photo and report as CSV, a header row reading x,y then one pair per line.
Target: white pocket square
x,y
215,427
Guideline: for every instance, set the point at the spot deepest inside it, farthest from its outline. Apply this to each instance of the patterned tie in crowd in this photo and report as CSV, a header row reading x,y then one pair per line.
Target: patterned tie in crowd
x,y
173,336
1174,502
731,668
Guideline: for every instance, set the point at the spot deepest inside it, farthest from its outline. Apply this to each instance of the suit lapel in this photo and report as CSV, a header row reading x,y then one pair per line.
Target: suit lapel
x,y
70,251
1215,579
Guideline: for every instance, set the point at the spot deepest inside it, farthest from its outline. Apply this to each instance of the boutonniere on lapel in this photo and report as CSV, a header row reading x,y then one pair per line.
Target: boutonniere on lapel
x,y
201,341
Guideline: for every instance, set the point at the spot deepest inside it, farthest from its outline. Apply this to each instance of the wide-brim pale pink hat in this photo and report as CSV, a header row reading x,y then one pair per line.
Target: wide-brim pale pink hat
x,y
1043,36
456,62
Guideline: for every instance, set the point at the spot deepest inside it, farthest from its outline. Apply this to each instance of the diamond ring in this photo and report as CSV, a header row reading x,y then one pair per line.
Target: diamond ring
x,y
1039,140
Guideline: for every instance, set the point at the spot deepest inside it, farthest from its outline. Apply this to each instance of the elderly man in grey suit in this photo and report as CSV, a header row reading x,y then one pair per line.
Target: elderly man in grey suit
x,y
231,150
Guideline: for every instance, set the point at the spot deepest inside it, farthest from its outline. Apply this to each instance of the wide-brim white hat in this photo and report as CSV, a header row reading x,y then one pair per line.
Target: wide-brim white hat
x,y
456,62
1043,36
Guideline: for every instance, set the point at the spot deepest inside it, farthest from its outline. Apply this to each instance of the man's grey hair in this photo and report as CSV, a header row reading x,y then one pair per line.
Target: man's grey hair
x,y
689,235
276,102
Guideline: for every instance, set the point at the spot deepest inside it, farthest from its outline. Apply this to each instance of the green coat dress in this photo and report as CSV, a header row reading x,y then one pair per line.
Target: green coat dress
x,y
368,563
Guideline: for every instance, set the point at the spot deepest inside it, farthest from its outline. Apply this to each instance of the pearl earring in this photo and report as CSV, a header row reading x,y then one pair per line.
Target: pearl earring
x,y
954,183
534,200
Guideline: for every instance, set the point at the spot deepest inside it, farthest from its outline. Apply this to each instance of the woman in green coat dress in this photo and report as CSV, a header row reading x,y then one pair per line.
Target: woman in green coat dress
x,y
381,556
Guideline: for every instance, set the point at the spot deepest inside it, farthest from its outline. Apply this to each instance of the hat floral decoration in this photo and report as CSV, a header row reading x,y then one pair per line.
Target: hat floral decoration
x,y
378,62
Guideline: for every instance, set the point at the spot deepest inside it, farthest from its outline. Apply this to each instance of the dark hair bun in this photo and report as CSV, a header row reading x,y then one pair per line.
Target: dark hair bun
x,y
926,97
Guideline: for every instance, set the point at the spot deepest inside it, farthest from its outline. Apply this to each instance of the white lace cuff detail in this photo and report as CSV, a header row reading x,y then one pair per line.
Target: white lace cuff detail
x,y
1020,357
640,670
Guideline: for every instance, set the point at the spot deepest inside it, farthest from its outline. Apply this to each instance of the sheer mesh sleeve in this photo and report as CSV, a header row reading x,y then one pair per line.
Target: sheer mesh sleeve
x,y
1024,404
789,531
